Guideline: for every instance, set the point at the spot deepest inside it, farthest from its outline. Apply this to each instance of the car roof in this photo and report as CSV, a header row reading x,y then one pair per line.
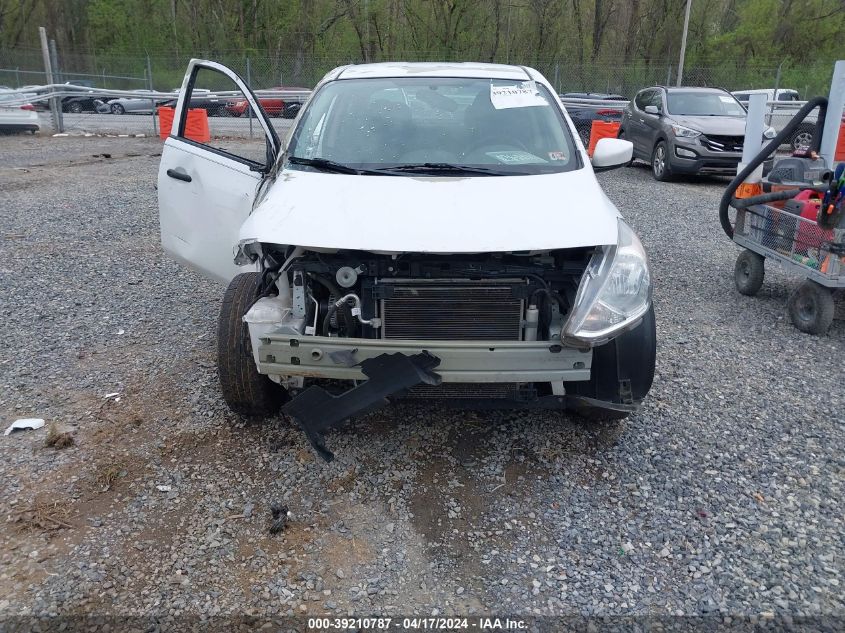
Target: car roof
x,y
757,91
433,69
703,89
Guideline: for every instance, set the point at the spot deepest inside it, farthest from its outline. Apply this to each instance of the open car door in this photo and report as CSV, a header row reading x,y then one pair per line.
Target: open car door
x,y
207,186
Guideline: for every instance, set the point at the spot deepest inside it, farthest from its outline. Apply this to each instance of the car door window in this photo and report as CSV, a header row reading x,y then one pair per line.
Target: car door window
x,y
656,99
213,96
643,99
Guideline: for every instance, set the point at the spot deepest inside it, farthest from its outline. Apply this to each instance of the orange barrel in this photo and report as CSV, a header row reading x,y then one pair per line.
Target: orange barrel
x,y
600,130
165,121
196,126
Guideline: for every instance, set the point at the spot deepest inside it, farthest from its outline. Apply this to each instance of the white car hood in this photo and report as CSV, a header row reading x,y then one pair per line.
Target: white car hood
x,y
434,214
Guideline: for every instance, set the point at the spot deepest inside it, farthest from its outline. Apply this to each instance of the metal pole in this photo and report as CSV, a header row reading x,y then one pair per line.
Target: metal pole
x,y
367,27
249,83
508,38
54,61
754,126
833,118
149,72
48,73
684,43
774,96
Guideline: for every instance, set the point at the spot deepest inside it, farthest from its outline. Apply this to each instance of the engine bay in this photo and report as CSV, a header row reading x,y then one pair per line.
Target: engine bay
x,y
357,294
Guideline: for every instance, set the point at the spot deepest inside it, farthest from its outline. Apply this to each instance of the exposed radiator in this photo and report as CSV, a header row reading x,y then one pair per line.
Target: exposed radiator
x,y
457,311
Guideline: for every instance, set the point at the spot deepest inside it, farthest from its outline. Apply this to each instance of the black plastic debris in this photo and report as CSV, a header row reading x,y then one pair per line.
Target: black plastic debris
x,y
280,514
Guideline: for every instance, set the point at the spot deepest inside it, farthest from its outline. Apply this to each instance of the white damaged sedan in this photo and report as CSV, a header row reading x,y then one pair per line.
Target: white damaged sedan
x,y
424,231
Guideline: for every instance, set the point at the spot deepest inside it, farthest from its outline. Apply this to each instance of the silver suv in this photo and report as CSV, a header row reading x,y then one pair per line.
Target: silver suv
x,y
686,130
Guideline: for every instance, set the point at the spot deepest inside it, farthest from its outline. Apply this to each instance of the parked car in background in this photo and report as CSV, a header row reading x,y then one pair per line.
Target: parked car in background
x,y
202,98
16,116
686,130
785,103
39,105
85,102
273,105
583,114
133,105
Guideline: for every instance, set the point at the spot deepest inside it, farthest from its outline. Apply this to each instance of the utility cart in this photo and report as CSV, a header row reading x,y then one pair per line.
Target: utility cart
x,y
796,214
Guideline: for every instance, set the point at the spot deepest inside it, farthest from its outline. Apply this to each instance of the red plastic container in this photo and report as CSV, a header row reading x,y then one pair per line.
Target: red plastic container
x,y
809,235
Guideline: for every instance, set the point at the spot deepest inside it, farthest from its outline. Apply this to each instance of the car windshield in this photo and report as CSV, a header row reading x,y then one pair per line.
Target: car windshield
x,y
446,125
703,104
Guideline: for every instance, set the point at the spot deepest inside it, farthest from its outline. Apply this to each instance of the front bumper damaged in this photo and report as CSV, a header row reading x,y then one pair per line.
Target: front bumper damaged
x,y
390,367
316,410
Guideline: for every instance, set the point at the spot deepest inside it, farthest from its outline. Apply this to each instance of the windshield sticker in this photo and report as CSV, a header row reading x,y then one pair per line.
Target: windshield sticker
x,y
557,156
725,99
516,158
523,95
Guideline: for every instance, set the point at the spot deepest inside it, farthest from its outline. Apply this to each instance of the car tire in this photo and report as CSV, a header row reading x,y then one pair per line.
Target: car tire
x,y
74,107
749,271
802,138
660,168
245,390
811,307
630,358
116,108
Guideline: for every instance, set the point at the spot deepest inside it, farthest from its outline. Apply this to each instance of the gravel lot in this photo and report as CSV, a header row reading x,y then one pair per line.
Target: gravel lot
x,y
723,495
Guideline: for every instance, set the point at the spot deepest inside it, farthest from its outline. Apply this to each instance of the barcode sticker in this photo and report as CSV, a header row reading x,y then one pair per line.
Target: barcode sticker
x,y
521,95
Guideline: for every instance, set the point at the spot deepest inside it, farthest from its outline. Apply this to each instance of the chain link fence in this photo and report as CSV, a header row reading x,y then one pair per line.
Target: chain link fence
x,y
164,72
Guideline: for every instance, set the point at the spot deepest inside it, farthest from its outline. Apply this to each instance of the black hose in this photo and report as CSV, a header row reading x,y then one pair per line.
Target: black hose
x,y
777,141
328,318
346,313
774,196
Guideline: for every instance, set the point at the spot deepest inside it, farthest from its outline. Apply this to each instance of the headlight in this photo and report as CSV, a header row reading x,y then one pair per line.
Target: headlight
x,y
684,132
614,294
769,133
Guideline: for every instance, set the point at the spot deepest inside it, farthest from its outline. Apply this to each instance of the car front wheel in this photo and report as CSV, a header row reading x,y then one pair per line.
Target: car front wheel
x,y
118,109
244,389
660,168
74,107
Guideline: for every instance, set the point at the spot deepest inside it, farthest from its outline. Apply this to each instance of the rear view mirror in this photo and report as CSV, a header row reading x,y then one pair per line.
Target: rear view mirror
x,y
652,109
611,153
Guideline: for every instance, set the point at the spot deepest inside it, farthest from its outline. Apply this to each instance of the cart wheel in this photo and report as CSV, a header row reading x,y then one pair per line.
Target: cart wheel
x,y
748,272
811,307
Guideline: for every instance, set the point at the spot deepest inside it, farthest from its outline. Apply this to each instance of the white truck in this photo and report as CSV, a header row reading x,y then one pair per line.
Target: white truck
x,y
783,103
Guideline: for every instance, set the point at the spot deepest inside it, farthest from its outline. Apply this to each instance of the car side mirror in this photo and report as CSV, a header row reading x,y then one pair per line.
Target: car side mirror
x,y
611,153
652,109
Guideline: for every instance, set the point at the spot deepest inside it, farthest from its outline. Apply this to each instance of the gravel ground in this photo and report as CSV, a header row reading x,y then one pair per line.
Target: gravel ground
x,y
723,495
